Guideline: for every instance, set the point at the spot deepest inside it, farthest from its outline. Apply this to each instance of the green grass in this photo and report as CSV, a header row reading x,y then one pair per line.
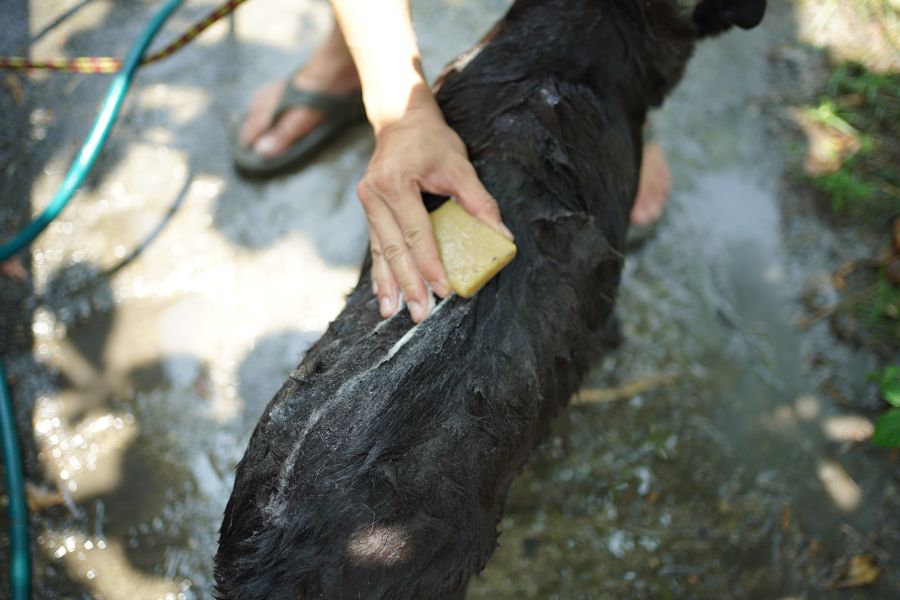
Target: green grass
x,y
860,110
845,190
879,315
859,114
865,189
887,428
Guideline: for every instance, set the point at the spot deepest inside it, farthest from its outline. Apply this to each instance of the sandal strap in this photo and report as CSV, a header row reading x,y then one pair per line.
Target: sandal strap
x,y
330,104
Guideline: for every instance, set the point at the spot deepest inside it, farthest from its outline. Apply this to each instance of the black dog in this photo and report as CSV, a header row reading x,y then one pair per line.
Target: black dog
x,y
381,468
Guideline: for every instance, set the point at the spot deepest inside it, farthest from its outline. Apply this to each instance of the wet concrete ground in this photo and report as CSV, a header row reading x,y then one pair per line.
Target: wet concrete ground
x,y
137,385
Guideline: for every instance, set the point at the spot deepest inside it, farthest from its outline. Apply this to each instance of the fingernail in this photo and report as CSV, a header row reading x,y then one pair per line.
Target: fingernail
x,y
505,230
265,145
387,307
416,311
439,288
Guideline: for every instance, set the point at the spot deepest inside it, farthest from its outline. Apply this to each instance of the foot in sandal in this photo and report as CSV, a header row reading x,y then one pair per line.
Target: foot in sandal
x,y
291,119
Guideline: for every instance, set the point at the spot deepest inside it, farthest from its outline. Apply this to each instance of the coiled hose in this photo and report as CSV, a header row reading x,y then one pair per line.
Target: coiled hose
x,y
20,563
87,156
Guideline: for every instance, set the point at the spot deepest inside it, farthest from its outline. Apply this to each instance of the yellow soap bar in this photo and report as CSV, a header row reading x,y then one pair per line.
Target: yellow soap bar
x,y
472,252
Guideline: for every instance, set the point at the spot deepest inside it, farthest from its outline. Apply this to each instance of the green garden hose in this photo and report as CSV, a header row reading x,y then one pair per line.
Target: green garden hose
x,y
87,156
20,563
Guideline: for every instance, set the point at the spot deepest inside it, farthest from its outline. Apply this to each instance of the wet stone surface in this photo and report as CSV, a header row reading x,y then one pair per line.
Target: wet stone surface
x,y
137,382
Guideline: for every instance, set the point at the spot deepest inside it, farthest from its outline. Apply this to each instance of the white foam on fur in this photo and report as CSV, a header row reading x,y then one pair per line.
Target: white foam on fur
x,y
276,506
432,310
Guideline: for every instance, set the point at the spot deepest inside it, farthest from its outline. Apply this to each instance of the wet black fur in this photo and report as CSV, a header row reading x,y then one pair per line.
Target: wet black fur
x,y
372,478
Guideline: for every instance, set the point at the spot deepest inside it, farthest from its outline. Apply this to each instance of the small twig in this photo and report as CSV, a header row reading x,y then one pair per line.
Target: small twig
x,y
853,265
41,498
882,555
625,391
826,311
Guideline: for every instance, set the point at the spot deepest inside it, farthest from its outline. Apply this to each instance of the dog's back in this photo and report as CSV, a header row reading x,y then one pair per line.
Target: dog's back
x,y
381,468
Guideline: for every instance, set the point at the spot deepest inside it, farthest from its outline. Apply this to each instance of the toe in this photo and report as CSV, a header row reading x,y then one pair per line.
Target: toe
x,y
292,126
259,116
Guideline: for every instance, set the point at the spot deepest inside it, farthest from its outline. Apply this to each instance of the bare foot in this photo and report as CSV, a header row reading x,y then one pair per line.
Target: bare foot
x,y
654,187
330,69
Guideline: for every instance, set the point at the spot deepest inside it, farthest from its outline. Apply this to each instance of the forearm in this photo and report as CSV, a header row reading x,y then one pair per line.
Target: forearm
x,y
381,39
415,152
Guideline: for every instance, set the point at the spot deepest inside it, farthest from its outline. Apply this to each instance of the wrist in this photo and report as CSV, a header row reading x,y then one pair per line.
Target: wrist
x,y
387,107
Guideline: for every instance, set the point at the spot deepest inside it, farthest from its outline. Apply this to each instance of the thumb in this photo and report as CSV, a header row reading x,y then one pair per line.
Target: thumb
x,y
473,196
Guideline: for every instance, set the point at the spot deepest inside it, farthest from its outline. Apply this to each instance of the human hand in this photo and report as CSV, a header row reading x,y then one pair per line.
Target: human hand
x,y
418,152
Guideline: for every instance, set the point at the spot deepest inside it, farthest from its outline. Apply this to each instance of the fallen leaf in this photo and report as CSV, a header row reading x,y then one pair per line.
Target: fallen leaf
x,y
859,571
786,517
828,146
13,268
14,86
863,570
887,429
41,498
